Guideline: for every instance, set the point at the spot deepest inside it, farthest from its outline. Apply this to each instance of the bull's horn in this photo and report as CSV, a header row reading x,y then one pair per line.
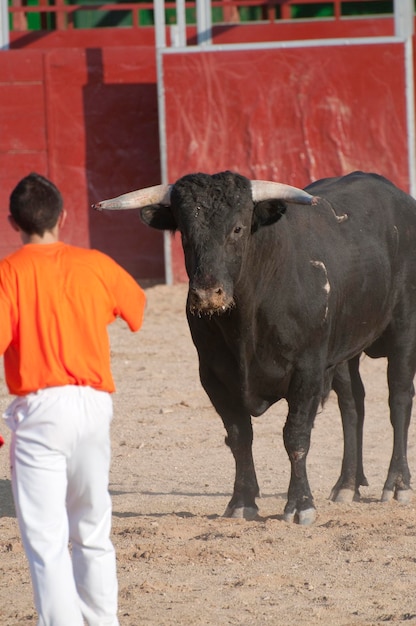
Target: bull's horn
x,y
159,194
266,190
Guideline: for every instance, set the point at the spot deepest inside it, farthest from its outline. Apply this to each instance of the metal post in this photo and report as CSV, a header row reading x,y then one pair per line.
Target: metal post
x,y
160,25
403,25
203,22
4,25
178,30
160,29
403,18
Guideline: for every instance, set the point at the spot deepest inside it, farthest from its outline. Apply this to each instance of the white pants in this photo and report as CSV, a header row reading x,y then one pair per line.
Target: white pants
x,y
60,459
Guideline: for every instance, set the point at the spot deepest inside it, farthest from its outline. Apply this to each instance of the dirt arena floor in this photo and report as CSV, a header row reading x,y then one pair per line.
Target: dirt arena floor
x,y
179,561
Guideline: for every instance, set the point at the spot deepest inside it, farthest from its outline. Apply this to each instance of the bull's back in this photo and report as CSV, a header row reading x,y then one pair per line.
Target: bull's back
x,y
371,257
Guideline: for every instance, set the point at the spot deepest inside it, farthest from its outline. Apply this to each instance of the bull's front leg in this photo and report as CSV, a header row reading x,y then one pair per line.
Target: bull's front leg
x,y
246,489
300,506
225,394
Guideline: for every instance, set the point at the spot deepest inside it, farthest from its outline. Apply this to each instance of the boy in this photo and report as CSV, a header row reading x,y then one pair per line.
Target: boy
x,y
56,301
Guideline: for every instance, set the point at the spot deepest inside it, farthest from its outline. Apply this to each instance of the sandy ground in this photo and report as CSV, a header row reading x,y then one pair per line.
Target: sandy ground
x,y
179,561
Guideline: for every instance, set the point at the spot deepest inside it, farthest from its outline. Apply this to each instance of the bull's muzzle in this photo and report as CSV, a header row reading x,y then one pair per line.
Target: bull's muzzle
x,y
208,301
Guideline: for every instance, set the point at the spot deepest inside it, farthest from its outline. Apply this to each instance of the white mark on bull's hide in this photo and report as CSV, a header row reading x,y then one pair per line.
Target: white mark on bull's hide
x,y
396,236
327,286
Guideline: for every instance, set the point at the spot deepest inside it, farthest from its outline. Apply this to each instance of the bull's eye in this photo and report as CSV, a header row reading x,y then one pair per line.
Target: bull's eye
x,y
236,233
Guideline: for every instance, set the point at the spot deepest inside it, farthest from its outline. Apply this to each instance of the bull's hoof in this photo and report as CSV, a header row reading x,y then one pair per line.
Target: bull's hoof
x,y
343,496
289,517
306,517
403,496
248,513
387,495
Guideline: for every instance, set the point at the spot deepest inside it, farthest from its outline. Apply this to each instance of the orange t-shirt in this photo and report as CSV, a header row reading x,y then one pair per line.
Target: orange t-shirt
x,y
56,302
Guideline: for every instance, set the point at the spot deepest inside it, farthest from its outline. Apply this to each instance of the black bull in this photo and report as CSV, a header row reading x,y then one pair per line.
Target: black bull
x,y
283,298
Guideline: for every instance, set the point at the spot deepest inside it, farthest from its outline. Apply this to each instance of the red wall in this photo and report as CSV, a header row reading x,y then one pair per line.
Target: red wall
x,y
289,115
81,107
87,118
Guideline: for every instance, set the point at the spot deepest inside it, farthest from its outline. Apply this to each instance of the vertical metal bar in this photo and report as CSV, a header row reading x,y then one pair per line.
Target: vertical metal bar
x,y
4,25
160,25
410,114
403,25
160,29
178,30
203,22
181,22
403,18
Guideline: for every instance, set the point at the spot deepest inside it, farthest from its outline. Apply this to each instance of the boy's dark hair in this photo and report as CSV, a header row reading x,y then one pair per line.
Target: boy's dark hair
x,y
35,204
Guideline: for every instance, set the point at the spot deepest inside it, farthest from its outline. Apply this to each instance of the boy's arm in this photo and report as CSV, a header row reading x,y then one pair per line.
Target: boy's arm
x,y
5,330
6,333
130,298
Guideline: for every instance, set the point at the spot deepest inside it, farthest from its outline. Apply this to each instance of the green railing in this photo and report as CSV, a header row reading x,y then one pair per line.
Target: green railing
x,y
27,15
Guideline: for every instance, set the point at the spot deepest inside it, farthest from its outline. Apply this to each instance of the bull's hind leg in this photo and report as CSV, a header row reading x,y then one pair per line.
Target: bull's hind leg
x,y
349,388
400,374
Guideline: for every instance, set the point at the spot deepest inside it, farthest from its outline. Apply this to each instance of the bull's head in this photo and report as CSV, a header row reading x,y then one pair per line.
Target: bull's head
x,y
215,215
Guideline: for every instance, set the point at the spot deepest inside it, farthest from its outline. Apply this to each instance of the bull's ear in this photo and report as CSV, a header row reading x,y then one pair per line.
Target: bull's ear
x,y
267,212
159,216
